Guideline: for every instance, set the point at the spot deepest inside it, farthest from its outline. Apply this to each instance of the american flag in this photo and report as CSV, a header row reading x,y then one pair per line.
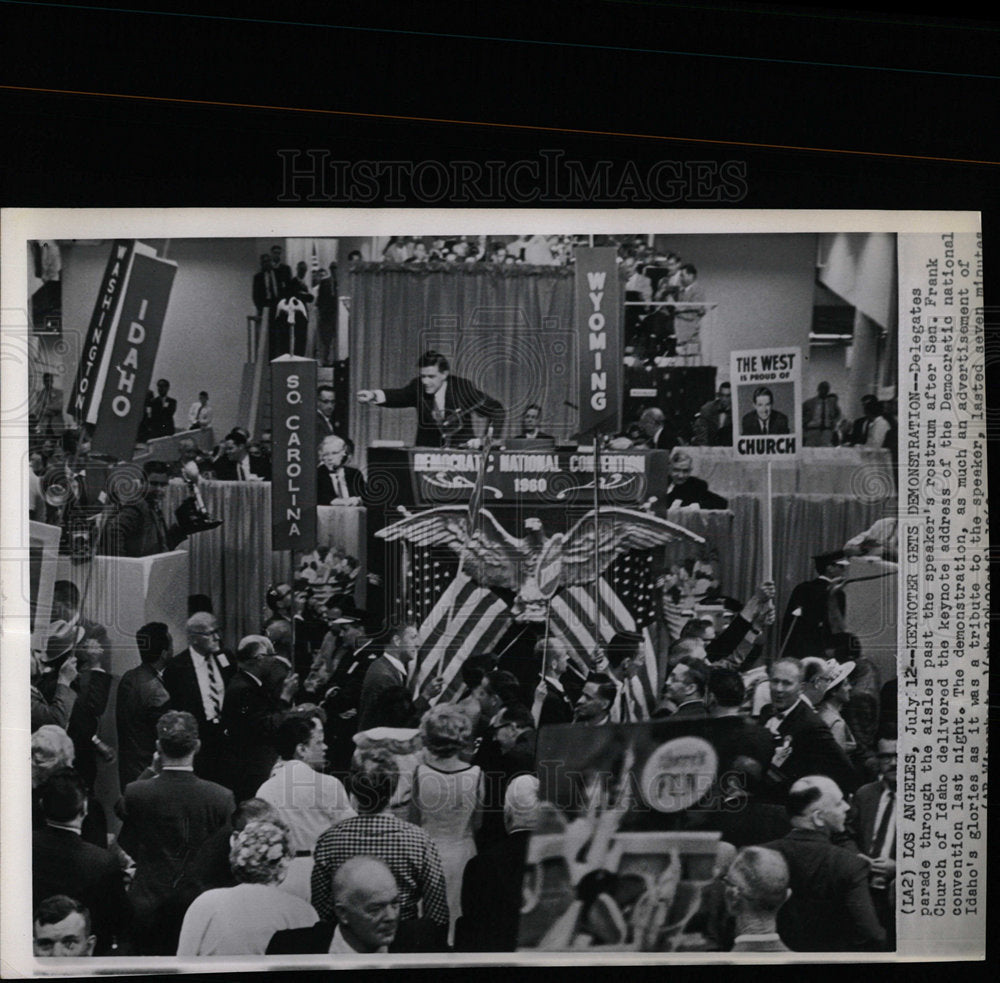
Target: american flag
x,y
458,618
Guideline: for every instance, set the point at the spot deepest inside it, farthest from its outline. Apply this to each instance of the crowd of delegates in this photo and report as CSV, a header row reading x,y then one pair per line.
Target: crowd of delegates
x,y
295,795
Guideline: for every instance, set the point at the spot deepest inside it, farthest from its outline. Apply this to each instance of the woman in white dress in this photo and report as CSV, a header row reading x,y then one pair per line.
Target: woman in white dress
x,y
836,695
447,797
240,920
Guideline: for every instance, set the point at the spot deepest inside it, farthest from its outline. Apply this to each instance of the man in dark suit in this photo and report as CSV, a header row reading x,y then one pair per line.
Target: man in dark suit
x,y
326,317
871,830
138,528
325,402
713,426
686,688
252,713
367,906
265,288
165,819
658,433
196,680
337,484
444,405
552,704
529,424
763,419
492,882
235,463
756,886
830,909
684,490
282,271
593,706
391,669
161,411
62,862
816,609
142,699
804,744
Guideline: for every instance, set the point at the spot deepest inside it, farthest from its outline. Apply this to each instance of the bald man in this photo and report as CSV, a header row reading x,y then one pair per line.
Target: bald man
x,y
337,484
756,886
196,680
658,433
831,908
367,904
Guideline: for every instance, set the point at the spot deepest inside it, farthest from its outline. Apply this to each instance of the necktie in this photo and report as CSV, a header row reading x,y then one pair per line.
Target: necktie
x,y
161,530
822,412
214,687
271,291
867,427
878,840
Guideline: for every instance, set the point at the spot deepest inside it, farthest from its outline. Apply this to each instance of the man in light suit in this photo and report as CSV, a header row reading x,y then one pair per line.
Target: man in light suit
x,y
196,680
391,669
444,404
763,419
166,818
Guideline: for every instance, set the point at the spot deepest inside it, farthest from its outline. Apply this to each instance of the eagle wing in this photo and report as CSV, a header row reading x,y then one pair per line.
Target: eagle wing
x,y
491,555
615,531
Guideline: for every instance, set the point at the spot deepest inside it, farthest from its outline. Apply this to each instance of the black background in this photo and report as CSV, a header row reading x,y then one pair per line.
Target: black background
x,y
850,108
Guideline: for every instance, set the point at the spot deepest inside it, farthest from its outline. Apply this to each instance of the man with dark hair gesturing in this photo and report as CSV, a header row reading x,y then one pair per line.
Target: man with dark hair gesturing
x,y
444,404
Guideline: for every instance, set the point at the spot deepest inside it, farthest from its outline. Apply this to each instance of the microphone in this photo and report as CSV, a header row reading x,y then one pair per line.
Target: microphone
x,y
192,478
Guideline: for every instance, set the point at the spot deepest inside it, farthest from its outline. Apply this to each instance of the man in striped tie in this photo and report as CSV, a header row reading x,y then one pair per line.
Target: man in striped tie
x,y
196,681
871,826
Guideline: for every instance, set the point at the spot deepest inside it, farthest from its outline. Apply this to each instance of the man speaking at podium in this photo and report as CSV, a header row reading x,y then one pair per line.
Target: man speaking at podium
x,y
444,403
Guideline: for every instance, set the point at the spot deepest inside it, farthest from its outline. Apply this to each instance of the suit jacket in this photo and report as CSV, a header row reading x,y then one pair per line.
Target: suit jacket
x,y
692,710
706,429
166,819
815,751
460,396
260,298
414,935
830,909
777,424
142,699
356,485
212,761
64,863
491,897
94,687
556,709
251,716
693,491
161,416
226,470
814,629
860,827
381,675
538,436
133,531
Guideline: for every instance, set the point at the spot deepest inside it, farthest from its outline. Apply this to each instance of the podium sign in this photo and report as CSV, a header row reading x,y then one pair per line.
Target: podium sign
x,y
294,461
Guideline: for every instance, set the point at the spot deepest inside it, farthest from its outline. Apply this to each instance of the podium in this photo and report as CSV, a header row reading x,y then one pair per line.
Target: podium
x,y
123,594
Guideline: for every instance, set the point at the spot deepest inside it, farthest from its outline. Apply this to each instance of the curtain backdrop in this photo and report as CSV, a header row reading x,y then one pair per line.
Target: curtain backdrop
x,y
507,329
234,564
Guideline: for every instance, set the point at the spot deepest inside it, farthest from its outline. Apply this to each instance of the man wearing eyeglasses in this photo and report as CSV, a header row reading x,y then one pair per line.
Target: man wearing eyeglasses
x,y
196,680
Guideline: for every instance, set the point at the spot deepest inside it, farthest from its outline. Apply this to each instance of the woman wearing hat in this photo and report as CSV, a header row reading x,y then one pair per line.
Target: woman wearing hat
x,y
836,694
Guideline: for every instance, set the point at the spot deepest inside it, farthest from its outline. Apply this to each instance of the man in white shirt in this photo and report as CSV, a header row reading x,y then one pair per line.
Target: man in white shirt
x,y
200,414
307,801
